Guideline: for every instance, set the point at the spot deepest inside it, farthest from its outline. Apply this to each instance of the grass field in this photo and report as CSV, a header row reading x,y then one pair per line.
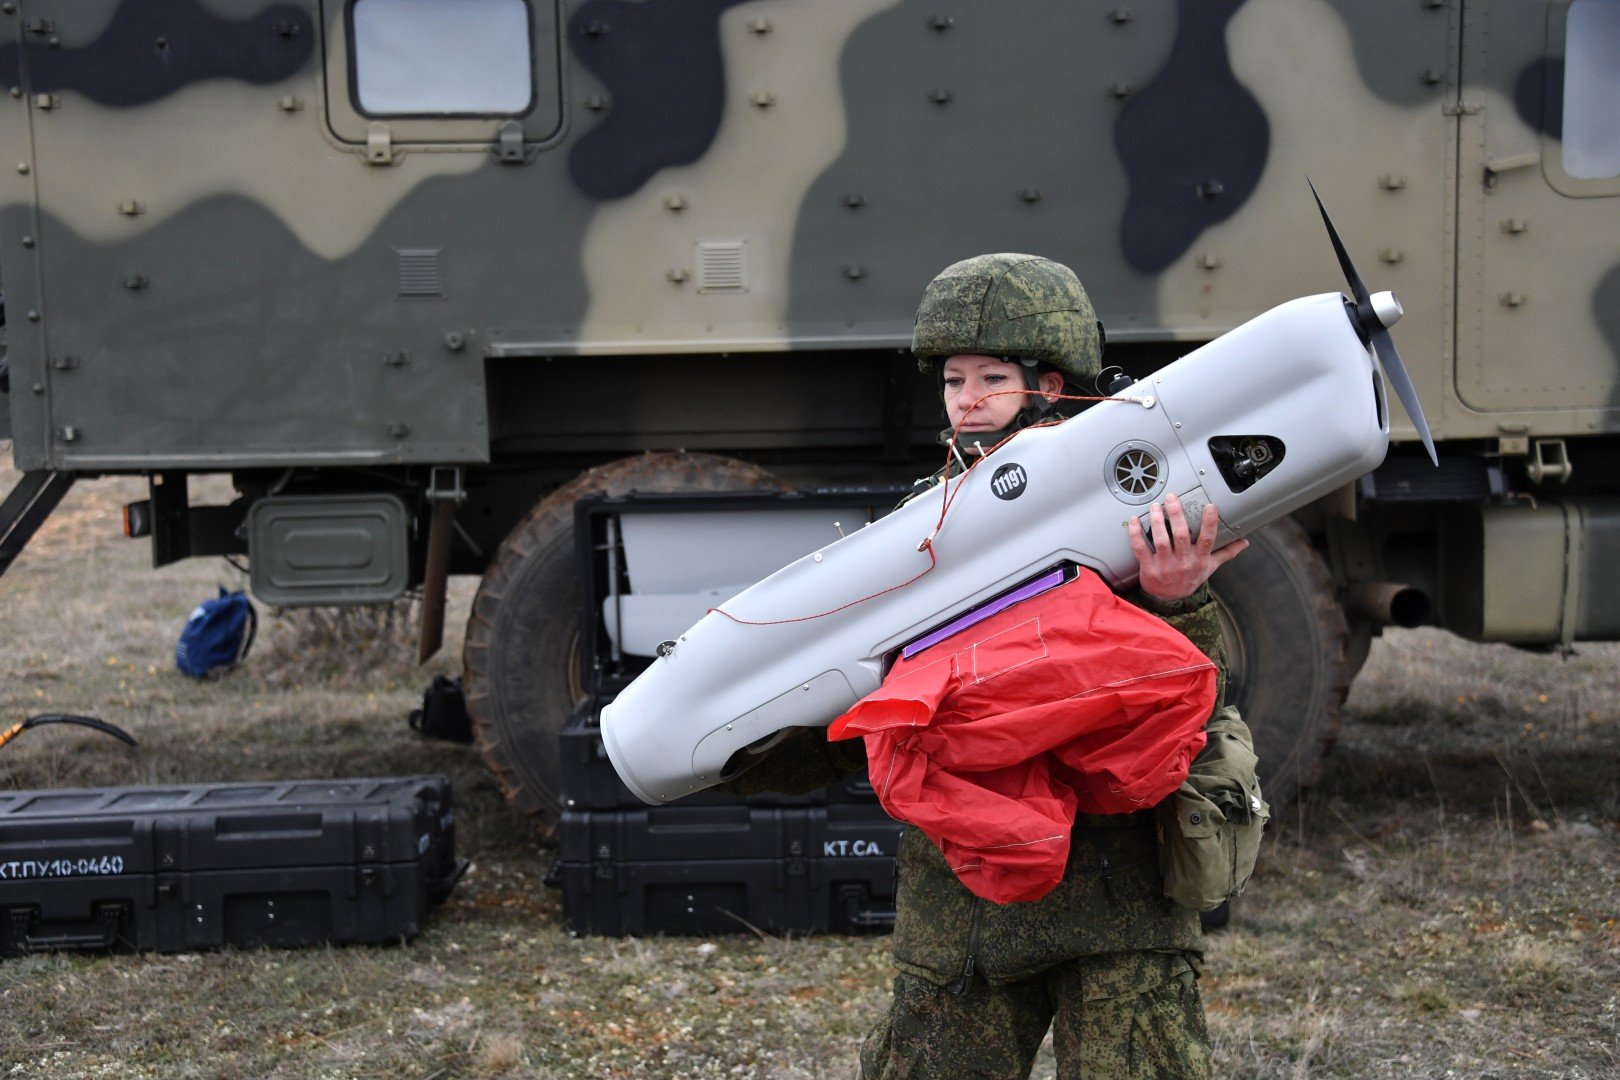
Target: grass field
x,y
1445,903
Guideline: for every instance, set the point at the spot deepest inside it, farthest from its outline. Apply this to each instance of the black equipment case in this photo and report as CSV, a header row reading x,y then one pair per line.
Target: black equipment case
x,y
179,868
711,863
729,869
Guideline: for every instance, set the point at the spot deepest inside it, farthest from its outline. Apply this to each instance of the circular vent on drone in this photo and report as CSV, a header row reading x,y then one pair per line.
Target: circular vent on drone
x,y
1135,472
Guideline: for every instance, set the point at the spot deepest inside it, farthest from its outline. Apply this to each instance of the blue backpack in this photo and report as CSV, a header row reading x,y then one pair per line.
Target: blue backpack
x,y
217,635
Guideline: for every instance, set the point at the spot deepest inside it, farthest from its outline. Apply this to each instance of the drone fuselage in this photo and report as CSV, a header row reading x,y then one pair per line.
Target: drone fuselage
x,y
1261,421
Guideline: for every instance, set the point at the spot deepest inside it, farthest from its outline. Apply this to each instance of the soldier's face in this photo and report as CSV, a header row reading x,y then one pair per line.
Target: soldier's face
x,y
970,380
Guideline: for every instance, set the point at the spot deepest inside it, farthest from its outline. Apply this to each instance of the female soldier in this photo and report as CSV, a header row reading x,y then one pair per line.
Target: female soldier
x,y
1104,959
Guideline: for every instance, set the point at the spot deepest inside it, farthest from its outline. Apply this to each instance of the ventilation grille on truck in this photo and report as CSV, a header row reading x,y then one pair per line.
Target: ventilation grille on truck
x,y
419,272
722,266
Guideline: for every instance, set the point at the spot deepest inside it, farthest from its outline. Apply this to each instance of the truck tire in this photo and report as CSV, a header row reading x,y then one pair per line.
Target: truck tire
x,y
521,653
1285,638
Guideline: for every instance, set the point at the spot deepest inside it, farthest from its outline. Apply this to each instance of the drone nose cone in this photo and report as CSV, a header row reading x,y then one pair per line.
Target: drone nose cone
x,y
1386,309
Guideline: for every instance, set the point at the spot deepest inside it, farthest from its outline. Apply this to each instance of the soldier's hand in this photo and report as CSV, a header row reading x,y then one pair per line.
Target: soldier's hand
x,y
1176,565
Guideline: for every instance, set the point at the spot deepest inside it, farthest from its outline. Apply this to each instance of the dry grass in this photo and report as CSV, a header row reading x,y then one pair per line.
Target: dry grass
x,y
1444,904
1447,901
348,644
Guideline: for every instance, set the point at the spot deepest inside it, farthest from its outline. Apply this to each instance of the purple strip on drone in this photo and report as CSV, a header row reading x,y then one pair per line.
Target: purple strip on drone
x,y
979,614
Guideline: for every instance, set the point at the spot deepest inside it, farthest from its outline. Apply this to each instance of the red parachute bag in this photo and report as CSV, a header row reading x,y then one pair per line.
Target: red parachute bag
x,y
993,739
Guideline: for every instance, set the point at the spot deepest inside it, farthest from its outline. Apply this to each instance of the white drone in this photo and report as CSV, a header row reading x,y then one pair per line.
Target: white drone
x,y
1266,418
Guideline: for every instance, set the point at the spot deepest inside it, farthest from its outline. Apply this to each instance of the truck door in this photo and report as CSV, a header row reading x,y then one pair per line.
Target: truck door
x,y
1538,222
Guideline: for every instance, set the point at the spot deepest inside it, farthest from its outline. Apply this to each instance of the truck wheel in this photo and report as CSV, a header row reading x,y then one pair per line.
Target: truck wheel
x,y
1359,644
522,647
1285,638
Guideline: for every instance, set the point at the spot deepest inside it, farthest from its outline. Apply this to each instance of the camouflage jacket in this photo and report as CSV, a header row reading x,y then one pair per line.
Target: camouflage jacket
x,y
1111,899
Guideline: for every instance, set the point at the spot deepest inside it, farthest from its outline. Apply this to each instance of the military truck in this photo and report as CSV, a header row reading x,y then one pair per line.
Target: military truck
x,y
420,274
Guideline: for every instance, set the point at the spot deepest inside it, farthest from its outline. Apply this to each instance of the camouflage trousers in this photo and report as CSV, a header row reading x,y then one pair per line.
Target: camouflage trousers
x,y
1128,1015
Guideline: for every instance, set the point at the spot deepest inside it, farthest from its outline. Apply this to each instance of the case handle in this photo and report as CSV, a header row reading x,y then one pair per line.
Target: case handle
x,y
102,933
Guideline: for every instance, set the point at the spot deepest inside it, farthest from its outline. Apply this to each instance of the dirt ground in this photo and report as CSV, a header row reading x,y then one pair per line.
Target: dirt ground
x,y
1446,902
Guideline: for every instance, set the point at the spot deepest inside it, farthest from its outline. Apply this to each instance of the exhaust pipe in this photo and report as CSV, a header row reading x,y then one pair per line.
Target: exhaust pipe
x,y
1388,603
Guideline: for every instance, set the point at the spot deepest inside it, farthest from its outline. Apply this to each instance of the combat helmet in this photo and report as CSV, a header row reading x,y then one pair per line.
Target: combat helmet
x,y
1021,307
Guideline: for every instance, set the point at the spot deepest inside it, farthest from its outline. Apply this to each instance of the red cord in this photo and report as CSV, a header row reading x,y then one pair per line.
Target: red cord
x,y
947,497
933,561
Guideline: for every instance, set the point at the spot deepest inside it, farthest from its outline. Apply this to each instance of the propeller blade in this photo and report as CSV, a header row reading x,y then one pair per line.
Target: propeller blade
x,y
1395,372
1378,334
1357,288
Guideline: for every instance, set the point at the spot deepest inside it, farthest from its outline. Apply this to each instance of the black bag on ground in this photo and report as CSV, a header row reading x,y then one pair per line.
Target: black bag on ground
x,y
443,712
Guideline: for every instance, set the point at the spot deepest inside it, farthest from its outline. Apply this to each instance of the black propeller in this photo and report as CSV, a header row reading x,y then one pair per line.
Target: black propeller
x,y
1376,316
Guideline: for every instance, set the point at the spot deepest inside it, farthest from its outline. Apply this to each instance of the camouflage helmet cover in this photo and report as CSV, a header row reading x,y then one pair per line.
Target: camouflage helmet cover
x,y
1010,305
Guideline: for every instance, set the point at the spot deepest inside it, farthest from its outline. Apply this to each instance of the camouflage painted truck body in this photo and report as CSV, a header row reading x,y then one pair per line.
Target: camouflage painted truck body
x,y
358,249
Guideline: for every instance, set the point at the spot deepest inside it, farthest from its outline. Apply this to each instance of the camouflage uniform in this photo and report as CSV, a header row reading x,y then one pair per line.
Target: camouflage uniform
x,y
1104,959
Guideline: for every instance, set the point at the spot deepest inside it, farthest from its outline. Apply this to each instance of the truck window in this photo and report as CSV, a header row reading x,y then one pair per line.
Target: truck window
x,y
1591,143
441,57
459,75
